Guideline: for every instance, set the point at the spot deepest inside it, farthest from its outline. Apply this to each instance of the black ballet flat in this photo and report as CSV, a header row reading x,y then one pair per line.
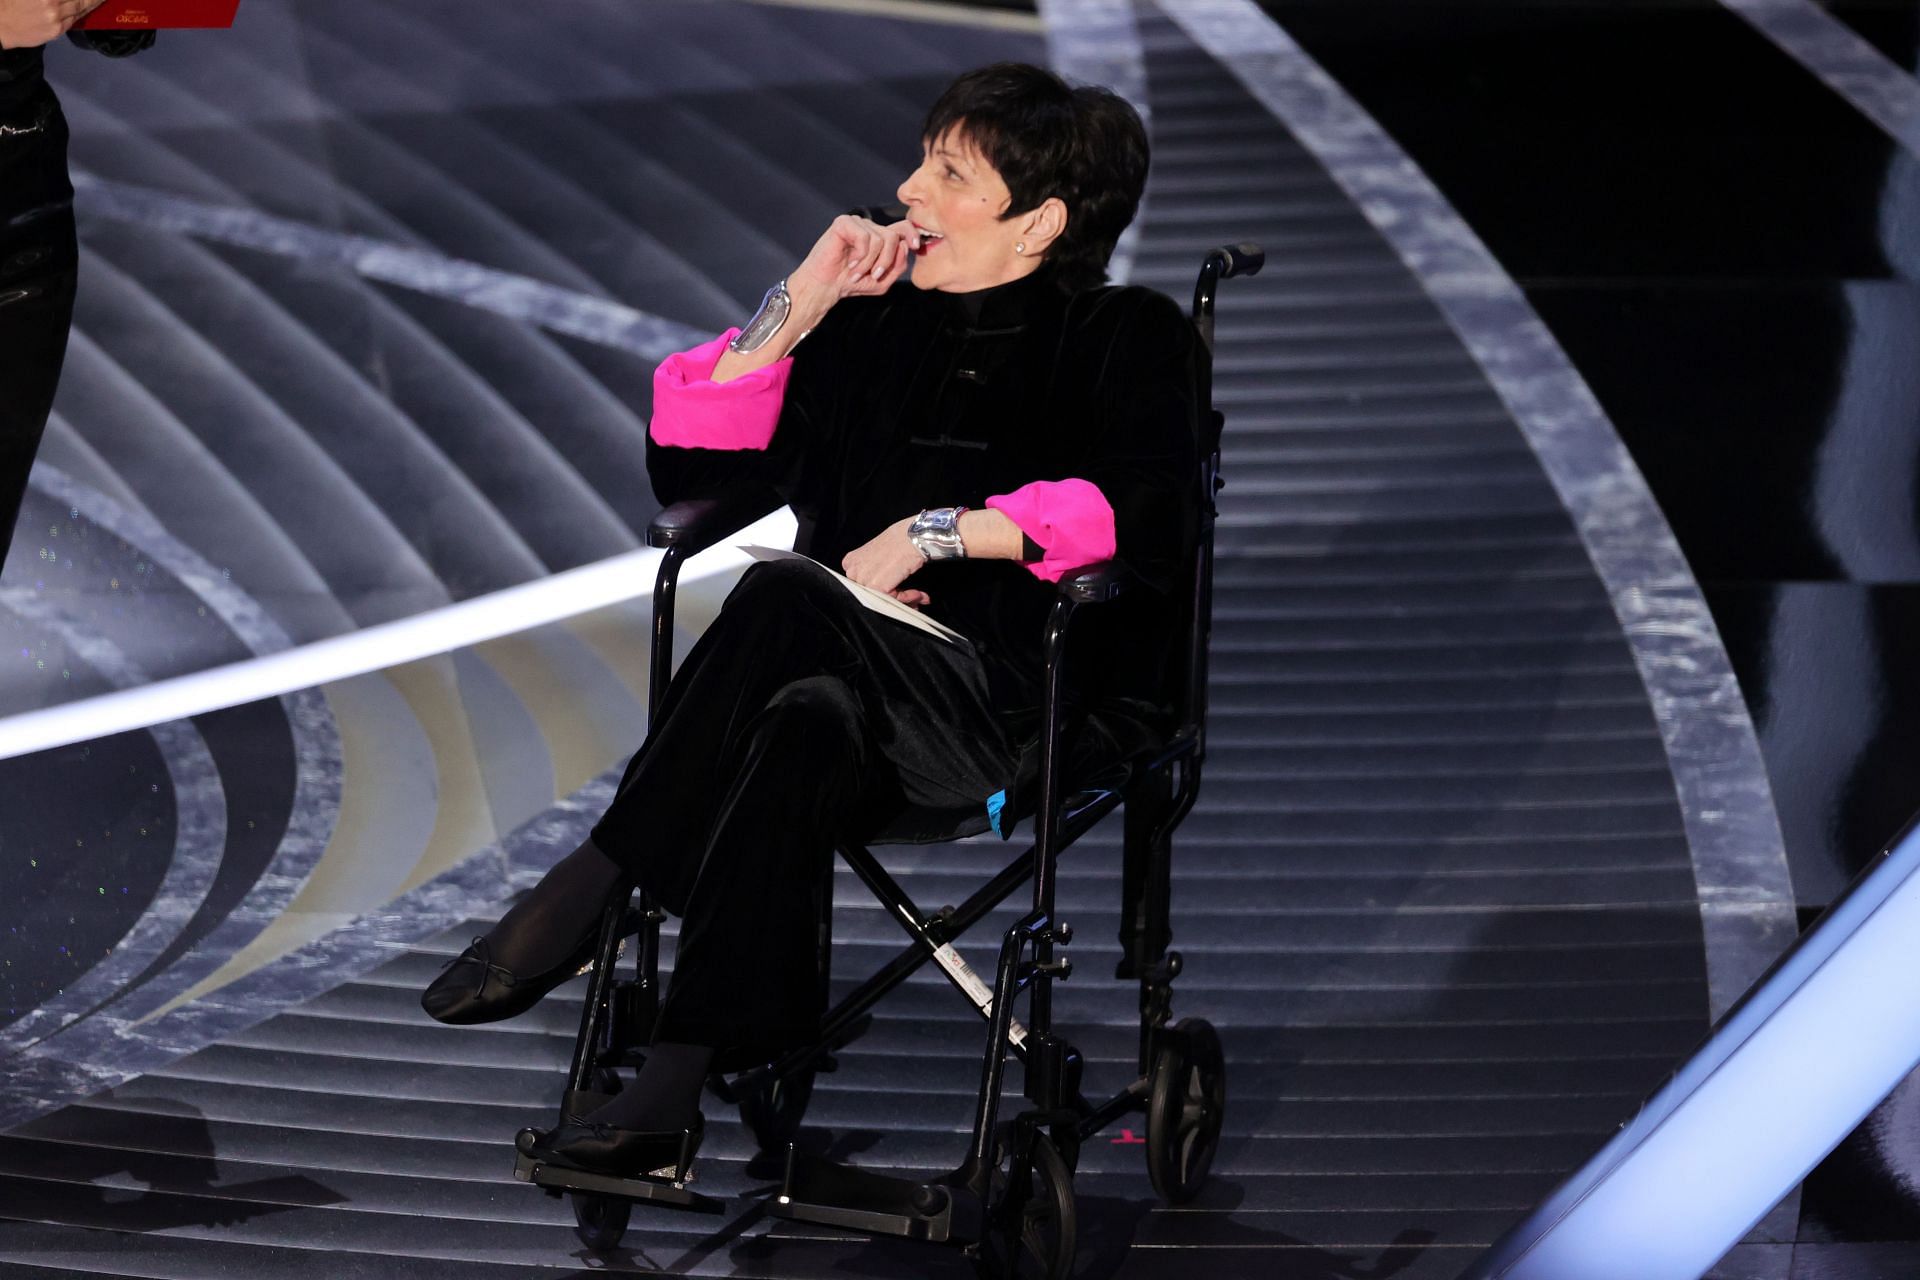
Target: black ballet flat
x,y
664,1155
475,990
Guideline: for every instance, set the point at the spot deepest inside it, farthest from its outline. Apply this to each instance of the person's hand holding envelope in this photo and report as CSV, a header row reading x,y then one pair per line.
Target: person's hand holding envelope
x,y
28,24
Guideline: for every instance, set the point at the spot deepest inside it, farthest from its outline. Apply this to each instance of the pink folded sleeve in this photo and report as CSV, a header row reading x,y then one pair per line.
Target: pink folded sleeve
x,y
692,411
1071,521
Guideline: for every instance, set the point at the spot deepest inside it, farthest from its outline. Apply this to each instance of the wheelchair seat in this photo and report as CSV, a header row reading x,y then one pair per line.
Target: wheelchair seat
x,y
1103,749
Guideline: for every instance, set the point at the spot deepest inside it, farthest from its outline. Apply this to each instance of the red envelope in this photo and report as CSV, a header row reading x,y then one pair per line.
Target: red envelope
x,y
136,15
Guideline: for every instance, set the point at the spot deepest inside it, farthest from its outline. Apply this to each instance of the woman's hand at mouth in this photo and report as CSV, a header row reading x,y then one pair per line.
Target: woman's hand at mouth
x,y
858,258
852,258
886,561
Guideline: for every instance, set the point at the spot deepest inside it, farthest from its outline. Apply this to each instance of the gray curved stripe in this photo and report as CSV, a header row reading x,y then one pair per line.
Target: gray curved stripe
x,y
423,195
335,408
664,211
729,164
520,182
151,162
511,463
805,53
578,414
199,838
514,296
730,70
1878,87
189,491
508,549
517,297
80,1057
211,146
73,453
242,614
1739,860
253,167
259,442
1098,42
384,172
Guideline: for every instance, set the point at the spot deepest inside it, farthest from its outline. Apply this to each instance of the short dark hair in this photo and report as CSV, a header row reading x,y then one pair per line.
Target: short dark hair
x,y
1084,144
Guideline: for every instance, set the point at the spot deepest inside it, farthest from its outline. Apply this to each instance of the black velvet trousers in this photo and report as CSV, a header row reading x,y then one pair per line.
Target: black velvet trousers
x,y
801,718
39,258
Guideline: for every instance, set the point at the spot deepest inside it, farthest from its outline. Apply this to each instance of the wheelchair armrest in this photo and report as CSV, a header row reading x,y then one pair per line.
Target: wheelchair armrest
x,y
1095,583
697,523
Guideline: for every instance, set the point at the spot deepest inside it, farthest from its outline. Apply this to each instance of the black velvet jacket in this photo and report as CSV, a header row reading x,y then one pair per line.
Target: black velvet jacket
x,y
920,399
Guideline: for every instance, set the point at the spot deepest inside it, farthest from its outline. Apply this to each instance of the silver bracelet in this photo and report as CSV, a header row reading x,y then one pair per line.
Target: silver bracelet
x,y
936,533
767,321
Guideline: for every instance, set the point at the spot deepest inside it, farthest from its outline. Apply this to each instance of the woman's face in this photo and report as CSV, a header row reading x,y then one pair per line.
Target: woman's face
x,y
957,197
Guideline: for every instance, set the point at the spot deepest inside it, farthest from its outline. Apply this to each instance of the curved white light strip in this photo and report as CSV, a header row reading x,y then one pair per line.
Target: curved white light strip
x,y
1794,1067
516,609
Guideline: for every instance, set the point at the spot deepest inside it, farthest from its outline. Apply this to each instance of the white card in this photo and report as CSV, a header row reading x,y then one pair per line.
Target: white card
x,y
878,601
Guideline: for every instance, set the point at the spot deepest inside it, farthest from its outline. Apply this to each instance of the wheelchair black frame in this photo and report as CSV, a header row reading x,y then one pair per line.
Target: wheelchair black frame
x,y
1155,805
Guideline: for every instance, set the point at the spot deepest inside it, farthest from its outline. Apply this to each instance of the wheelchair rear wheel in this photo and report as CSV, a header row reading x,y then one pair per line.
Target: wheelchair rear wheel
x,y
600,1221
1185,1110
773,1115
1031,1228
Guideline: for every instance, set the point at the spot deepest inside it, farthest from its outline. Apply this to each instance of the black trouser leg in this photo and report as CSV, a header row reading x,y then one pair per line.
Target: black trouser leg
x,y
766,751
39,257
746,972
778,626
786,622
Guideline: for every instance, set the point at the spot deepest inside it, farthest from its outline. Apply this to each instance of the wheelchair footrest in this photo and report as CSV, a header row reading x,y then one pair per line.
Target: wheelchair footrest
x,y
837,1195
557,1178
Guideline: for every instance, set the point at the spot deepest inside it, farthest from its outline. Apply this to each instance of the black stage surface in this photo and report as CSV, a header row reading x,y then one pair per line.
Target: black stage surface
x,y
1726,247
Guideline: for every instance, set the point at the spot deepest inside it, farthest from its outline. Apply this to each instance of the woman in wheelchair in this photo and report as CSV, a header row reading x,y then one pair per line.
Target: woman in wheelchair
x,y
969,417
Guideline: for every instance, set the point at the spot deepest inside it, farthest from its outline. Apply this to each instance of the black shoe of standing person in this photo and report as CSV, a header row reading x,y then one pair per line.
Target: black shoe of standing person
x,y
114,44
474,989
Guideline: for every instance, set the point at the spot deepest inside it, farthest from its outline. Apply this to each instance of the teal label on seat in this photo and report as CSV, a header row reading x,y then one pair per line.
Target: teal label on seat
x,y
995,804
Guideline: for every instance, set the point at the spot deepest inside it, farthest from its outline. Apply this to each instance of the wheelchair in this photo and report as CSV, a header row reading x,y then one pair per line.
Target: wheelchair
x,y
1009,1201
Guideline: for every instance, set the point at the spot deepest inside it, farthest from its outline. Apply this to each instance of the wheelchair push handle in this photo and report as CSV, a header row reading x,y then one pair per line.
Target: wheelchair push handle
x,y
1243,259
1222,263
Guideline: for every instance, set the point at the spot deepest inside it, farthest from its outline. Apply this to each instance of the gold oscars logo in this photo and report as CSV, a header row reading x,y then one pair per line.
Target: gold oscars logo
x,y
133,18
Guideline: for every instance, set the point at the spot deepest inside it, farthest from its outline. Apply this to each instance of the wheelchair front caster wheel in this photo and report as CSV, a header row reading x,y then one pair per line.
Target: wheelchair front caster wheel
x,y
600,1221
1185,1109
773,1115
1031,1225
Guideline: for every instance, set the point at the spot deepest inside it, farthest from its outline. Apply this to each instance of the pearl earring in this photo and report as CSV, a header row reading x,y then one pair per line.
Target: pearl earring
x,y
1021,247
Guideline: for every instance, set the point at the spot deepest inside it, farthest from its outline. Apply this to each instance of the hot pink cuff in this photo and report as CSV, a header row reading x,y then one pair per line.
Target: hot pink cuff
x,y
1070,519
692,411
